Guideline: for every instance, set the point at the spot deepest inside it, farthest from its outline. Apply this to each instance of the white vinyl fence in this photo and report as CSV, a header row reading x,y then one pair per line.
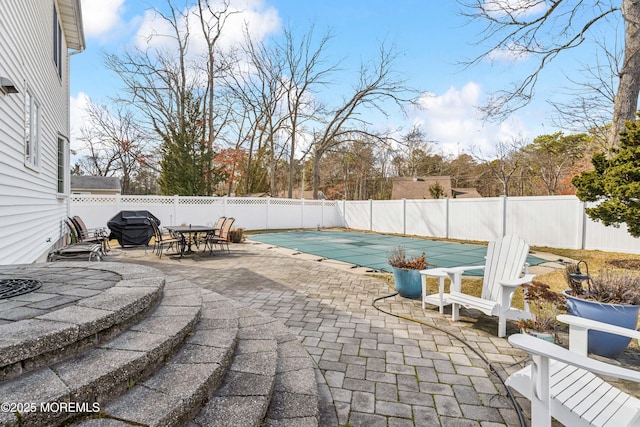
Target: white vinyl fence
x,y
554,221
251,213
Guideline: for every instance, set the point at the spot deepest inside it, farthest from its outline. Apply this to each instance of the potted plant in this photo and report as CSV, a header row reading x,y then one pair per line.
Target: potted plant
x,y
611,297
406,272
545,305
236,235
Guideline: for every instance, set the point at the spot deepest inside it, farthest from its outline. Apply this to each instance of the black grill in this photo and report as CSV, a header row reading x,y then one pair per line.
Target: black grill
x,y
19,286
132,228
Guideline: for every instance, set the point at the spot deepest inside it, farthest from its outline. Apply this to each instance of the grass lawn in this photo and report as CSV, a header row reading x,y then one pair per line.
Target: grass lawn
x,y
596,261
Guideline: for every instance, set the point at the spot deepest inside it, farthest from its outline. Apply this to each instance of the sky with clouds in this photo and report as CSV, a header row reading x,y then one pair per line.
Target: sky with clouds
x,y
431,38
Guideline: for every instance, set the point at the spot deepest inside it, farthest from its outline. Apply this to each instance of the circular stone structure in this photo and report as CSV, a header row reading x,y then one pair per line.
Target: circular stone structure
x,y
60,286
76,305
18,286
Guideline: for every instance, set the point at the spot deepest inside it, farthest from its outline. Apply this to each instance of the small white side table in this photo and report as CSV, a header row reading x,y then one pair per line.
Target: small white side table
x,y
441,298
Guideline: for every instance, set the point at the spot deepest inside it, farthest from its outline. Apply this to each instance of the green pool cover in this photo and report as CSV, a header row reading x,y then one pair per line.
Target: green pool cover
x,y
371,250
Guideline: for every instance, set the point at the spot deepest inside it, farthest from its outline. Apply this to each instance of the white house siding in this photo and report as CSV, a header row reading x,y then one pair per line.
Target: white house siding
x,y
31,210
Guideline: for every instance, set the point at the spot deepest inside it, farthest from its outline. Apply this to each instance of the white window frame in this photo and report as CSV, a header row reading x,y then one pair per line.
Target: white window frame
x,y
31,130
62,163
57,41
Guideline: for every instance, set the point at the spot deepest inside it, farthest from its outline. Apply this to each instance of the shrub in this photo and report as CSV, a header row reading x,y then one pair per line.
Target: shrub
x,y
544,304
398,258
612,287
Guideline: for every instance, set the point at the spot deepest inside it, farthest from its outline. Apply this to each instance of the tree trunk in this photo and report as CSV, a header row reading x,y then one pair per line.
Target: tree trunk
x,y
272,164
316,173
292,163
210,114
233,174
247,175
505,186
626,101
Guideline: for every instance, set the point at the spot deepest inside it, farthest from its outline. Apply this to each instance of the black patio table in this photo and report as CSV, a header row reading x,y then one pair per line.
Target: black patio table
x,y
190,232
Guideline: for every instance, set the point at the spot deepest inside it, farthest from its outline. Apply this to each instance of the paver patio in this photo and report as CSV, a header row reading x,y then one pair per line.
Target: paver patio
x,y
373,369
390,365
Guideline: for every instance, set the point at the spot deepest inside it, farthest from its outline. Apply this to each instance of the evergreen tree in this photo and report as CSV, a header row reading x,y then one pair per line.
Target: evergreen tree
x,y
615,183
186,165
436,190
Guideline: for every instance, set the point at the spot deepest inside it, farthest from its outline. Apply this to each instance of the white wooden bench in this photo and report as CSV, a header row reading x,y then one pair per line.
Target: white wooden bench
x,y
564,384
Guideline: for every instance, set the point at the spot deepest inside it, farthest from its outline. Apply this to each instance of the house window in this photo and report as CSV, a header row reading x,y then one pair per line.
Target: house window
x,y
62,157
31,130
57,42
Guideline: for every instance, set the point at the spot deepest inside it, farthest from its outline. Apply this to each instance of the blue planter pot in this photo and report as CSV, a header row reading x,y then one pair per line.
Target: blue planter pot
x,y
408,282
542,335
602,343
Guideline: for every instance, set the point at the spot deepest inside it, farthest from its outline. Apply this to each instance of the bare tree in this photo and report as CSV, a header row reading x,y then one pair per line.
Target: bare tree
x,y
117,145
157,79
306,70
275,84
551,157
591,98
261,94
236,138
163,79
353,169
378,82
415,157
506,163
212,20
544,29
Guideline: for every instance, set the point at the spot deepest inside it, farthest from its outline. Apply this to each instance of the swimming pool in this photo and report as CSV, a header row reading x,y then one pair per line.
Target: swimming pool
x,y
371,250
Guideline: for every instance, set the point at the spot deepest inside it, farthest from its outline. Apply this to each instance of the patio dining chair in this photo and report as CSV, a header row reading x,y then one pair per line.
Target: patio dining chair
x,y
88,232
222,238
161,240
216,232
219,224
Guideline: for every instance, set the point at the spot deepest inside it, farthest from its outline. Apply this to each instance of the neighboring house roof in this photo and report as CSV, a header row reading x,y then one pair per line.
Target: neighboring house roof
x,y
418,187
71,18
465,193
95,183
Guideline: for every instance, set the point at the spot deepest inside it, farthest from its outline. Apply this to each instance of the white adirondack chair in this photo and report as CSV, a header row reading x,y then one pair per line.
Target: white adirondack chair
x,y
563,384
505,269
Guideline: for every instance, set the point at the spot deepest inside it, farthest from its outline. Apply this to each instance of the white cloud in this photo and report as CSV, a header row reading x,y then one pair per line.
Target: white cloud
x,y
451,120
506,10
509,54
254,14
78,117
101,16
260,20
515,8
